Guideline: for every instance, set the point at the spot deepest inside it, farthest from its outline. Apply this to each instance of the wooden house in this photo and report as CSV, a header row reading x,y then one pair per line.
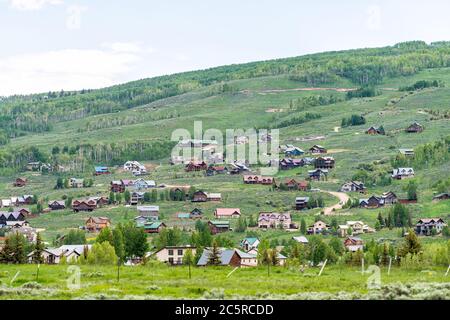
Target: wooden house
x,y
76,183
426,226
220,213
230,257
117,186
150,212
173,255
293,152
318,227
199,196
293,184
415,128
353,186
218,226
249,243
84,205
57,205
272,220
318,174
10,216
353,244
301,203
403,173
154,227
324,163
441,196
196,166
375,131
196,214
20,182
317,149
136,197
96,224
255,179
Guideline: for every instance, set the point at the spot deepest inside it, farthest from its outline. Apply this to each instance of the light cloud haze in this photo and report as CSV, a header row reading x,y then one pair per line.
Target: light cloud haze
x,y
76,44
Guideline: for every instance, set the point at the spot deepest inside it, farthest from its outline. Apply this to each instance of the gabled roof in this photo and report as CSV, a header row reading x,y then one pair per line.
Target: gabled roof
x,y
250,241
228,211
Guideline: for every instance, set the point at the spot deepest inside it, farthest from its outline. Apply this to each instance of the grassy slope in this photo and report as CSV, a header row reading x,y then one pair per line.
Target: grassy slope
x,y
156,281
245,109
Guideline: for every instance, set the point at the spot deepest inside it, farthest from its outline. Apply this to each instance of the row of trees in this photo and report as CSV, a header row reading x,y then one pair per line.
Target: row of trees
x,y
426,155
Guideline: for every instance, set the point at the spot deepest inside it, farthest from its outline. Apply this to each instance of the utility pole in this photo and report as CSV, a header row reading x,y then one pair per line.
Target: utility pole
x,y
37,272
118,270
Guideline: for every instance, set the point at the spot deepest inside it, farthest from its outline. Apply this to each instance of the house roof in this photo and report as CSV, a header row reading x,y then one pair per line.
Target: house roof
x,y
183,215
301,239
228,211
225,256
58,202
251,240
147,208
154,225
220,223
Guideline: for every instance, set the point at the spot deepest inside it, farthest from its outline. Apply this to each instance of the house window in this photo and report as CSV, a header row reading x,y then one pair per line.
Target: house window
x,y
171,260
170,252
180,252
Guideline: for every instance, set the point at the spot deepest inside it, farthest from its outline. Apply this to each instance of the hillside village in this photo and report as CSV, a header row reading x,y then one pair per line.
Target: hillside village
x,y
361,178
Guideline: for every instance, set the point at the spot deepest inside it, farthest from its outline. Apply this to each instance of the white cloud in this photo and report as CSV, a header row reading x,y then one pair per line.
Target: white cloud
x,y
73,21
70,69
32,4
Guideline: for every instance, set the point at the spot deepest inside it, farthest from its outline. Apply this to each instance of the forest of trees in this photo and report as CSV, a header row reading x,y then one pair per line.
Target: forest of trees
x,y
364,67
429,154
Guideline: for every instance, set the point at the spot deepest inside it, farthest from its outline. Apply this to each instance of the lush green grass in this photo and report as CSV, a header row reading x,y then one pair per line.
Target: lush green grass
x,y
158,281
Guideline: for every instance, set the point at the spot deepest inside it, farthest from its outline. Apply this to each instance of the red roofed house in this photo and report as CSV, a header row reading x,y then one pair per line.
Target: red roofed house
x,y
227,213
196,166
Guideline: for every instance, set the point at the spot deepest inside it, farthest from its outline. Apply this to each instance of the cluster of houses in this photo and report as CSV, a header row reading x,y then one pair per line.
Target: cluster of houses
x,y
120,186
17,201
387,198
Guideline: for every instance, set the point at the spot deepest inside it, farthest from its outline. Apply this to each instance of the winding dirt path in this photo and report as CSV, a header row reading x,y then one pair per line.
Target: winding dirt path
x,y
343,198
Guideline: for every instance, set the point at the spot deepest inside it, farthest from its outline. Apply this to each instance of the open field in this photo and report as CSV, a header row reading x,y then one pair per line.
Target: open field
x,y
162,282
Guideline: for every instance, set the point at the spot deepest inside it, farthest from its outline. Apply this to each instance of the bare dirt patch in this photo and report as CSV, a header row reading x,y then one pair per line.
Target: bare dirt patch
x,y
338,150
273,110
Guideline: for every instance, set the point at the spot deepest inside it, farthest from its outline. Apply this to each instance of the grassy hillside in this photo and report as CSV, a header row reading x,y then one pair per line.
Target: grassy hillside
x,y
107,127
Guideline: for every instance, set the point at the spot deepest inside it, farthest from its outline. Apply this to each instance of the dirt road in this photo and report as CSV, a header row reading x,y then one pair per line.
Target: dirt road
x,y
343,198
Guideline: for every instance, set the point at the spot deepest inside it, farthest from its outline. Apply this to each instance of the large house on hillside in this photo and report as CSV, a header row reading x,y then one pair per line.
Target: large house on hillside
x,y
357,227
84,205
403,173
415,128
426,226
317,149
173,255
324,163
96,224
248,179
220,213
387,198
272,220
230,257
218,226
353,186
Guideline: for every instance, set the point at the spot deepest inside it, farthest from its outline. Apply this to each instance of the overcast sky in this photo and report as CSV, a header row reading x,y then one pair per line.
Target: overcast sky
x,y
75,44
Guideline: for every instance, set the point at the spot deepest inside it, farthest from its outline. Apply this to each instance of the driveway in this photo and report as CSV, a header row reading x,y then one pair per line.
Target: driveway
x,y
343,198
